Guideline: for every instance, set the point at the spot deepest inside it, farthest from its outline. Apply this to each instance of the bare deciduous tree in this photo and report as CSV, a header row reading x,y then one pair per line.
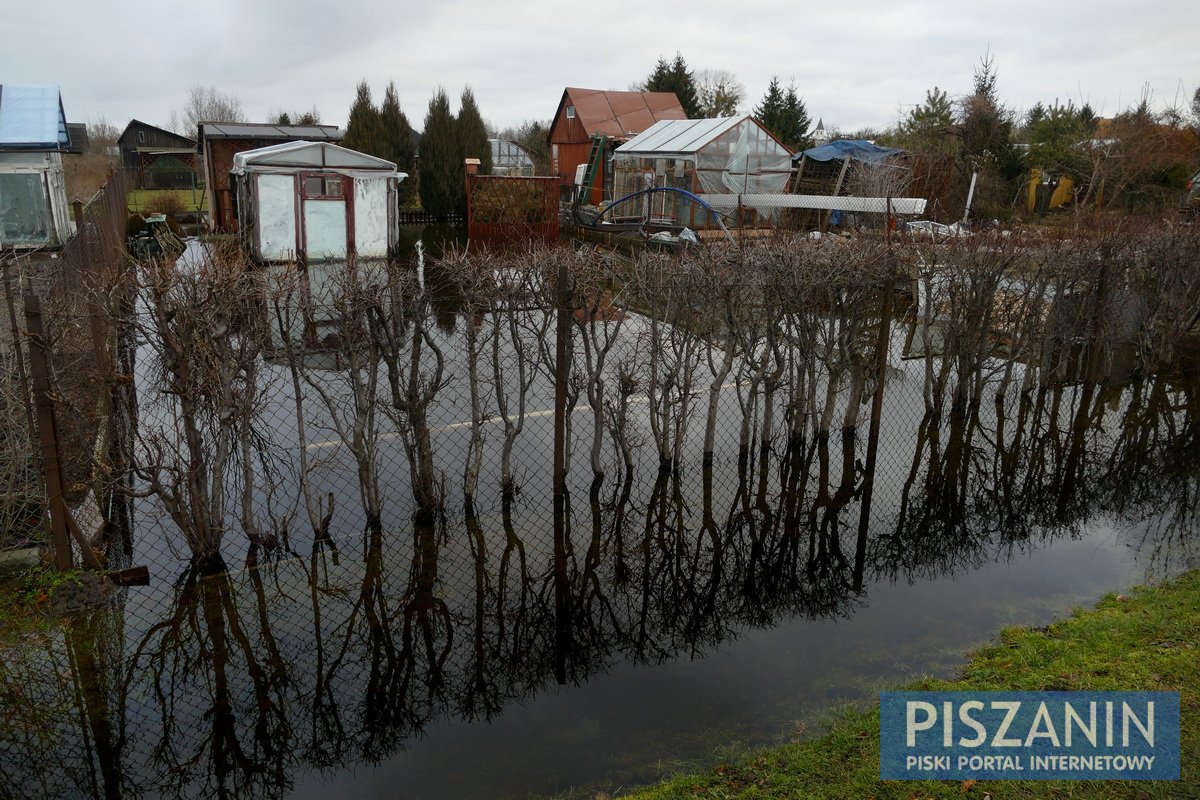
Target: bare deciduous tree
x,y
205,104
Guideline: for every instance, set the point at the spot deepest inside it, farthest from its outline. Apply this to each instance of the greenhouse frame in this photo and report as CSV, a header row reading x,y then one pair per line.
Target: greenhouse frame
x,y
718,158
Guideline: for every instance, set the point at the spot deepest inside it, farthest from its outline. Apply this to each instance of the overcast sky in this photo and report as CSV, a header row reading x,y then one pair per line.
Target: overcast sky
x,y
855,66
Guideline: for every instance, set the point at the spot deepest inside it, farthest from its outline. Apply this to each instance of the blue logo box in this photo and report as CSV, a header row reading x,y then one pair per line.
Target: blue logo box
x,y
1029,735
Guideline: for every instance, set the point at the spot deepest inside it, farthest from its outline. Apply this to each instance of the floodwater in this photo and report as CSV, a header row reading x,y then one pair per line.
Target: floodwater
x,y
661,620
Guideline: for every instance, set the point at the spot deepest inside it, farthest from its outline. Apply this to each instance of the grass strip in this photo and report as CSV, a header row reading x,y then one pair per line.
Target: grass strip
x,y
1146,641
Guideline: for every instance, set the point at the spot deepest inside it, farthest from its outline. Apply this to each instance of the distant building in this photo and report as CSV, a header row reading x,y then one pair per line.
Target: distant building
x,y
33,196
586,115
155,158
510,159
218,142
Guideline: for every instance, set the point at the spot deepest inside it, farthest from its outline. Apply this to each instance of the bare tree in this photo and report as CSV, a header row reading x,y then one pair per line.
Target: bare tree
x,y
719,93
205,104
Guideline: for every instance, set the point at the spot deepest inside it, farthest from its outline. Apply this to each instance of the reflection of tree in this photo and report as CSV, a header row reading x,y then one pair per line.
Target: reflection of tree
x,y
223,722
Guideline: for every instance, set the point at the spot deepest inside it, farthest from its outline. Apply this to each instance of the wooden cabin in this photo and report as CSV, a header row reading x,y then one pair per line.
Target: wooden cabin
x,y
585,115
155,158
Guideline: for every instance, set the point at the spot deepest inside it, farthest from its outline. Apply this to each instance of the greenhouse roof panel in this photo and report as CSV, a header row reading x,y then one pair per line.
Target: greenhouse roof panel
x,y
32,118
309,155
679,135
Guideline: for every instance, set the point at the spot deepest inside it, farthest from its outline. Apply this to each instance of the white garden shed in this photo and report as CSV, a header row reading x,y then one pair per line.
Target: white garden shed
x,y
316,201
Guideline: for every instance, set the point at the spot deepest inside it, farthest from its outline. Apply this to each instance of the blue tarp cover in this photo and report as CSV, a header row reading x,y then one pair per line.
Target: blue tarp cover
x,y
855,149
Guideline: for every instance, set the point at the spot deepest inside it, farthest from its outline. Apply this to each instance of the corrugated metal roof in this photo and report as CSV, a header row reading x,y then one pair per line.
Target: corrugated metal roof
x,y
32,118
261,130
617,114
679,136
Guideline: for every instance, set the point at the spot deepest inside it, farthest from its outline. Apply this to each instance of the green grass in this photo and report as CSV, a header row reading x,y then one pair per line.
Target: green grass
x,y
25,596
143,201
1147,641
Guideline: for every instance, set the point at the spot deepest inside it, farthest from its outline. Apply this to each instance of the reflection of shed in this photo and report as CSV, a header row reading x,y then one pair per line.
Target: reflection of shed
x,y
715,157
317,205
219,142
33,194
510,159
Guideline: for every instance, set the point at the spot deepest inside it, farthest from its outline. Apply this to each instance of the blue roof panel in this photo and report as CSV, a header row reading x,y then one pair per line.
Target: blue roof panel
x,y
31,118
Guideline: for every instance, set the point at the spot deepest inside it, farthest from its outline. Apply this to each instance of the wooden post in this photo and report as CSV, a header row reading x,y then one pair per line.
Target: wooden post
x,y
837,189
47,438
62,524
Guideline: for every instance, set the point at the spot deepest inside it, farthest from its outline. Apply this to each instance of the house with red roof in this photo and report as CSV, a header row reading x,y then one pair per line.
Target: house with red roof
x,y
590,123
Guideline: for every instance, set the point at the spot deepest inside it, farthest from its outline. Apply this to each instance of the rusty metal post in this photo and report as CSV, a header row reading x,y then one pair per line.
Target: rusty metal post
x,y
47,434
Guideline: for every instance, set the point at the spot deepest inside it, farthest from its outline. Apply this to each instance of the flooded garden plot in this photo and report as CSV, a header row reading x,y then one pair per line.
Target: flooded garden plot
x,y
785,473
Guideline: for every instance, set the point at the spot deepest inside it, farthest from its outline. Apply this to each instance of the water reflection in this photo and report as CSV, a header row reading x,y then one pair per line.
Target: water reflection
x,y
454,596
247,681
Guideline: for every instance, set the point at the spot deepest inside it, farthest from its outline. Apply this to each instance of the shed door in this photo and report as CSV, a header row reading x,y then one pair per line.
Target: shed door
x,y
325,229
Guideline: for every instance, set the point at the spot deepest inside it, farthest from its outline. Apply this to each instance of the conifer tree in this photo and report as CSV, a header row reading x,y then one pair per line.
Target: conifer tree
x,y
674,76
441,183
363,125
472,134
397,142
784,114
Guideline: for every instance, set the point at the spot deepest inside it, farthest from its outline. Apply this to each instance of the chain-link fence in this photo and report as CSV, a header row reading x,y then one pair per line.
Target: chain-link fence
x,y
375,495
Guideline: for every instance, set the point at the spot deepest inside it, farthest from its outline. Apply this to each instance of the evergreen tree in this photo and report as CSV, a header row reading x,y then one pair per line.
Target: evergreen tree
x,y
441,183
926,129
794,121
397,143
363,126
770,111
472,135
675,77
784,114
1054,141
985,128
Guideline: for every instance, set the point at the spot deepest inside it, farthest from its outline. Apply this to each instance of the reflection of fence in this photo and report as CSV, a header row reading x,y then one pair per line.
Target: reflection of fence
x,y
505,210
742,433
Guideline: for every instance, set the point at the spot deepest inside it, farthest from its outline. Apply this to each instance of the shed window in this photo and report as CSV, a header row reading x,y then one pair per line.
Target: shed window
x,y
316,186
570,112
24,213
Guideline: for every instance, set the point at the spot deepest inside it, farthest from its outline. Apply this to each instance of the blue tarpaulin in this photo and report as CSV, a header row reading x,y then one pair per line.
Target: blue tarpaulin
x,y
854,149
